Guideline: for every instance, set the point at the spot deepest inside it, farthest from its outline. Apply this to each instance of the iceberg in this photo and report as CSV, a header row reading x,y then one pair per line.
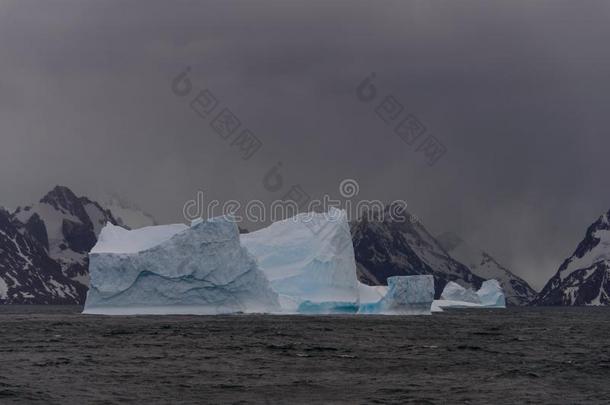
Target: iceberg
x,y
175,269
309,261
455,292
406,295
491,294
304,265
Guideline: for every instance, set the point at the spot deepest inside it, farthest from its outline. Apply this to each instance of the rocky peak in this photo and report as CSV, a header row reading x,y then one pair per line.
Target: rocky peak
x,y
65,201
37,229
592,238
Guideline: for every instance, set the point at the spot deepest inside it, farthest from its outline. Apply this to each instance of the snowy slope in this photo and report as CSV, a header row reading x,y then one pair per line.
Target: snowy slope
x,y
384,248
126,213
584,277
516,290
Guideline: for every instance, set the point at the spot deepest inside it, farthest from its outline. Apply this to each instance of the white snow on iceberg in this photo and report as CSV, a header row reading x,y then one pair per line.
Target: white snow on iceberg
x,y
309,260
116,239
176,270
406,295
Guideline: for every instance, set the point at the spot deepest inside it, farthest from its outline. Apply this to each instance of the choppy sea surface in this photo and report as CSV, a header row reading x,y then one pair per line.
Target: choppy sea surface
x,y
521,355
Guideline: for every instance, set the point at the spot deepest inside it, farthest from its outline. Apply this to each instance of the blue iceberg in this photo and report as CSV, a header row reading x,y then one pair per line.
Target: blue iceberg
x,y
492,295
175,269
309,261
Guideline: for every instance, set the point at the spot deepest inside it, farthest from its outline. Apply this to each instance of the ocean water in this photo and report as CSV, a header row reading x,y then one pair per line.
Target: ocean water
x,y
479,356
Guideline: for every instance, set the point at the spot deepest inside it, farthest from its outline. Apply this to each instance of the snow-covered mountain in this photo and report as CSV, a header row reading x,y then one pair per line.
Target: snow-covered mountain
x,y
127,214
44,248
584,277
27,274
516,290
385,248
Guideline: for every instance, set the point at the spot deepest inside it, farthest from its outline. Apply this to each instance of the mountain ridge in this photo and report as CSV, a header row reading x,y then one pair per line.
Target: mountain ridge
x,y
584,277
384,247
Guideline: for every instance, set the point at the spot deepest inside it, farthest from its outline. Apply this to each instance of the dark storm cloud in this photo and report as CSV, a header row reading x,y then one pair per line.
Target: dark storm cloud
x,y
517,92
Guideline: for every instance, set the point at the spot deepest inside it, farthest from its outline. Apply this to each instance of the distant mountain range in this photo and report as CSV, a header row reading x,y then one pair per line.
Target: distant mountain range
x,y
584,277
44,254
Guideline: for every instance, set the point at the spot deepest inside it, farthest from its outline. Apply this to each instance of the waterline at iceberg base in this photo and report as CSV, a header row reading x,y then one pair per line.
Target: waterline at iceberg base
x,y
303,265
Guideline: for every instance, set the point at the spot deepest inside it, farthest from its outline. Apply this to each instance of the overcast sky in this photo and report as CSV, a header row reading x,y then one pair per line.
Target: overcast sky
x,y
518,92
